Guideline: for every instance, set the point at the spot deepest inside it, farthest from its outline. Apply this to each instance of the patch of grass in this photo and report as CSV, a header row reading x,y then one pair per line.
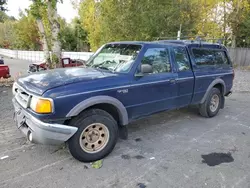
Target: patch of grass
x,y
8,82
235,66
247,68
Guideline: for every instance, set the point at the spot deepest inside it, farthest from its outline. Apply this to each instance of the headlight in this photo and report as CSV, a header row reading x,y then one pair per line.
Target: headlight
x,y
41,105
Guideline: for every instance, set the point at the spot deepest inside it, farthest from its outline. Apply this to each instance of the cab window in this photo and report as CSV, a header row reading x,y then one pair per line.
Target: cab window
x,y
181,58
158,58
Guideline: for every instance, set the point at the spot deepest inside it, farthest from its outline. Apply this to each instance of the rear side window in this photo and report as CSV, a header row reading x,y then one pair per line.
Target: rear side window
x,y
209,57
221,58
181,58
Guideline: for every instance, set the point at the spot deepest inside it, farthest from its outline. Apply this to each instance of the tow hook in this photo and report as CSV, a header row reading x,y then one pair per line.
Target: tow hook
x,y
30,136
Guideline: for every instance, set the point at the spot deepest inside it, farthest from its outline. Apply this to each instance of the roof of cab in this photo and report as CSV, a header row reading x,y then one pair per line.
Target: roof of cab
x,y
194,43
131,42
142,42
188,43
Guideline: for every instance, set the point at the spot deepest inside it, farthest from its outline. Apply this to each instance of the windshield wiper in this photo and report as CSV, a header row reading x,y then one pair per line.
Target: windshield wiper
x,y
104,68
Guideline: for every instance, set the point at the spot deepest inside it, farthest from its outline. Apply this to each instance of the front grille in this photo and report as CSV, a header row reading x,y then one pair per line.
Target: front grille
x,y
22,97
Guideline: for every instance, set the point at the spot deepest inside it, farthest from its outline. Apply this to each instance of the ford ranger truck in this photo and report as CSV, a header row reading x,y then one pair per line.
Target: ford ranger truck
x,y
86,106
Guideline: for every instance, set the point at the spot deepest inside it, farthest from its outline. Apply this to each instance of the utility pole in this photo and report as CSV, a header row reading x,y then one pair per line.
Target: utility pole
x,y
179,33
224,21
236,22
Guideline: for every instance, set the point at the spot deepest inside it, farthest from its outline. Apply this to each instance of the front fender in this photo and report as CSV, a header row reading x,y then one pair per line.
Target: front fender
x,y
123,115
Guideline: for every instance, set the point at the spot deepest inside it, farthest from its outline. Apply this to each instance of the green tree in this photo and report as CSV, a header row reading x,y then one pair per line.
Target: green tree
x,y
208,19
4,17
26,32
3,5
19,34
7,34
238,18
45,12
39,11
111,20
73,37
80,35
90,15
242,32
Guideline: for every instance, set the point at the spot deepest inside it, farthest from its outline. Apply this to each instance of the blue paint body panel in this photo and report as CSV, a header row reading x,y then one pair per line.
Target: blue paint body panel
x,y
141,96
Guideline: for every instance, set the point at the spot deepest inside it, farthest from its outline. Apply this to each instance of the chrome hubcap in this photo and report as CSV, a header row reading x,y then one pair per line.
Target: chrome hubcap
x,y
214,104
94,138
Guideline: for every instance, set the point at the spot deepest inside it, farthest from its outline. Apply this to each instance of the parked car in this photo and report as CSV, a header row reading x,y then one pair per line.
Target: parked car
x,y
4,71
66,62
88,107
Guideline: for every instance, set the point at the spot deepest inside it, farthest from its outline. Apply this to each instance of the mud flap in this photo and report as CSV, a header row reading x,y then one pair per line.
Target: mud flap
x,y
222,102
123,132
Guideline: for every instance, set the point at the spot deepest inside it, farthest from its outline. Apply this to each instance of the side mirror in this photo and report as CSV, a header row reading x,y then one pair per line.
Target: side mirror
x,y
145,69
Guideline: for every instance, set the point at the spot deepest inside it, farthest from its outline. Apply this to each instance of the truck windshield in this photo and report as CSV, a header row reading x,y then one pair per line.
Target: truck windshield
x,y
115,57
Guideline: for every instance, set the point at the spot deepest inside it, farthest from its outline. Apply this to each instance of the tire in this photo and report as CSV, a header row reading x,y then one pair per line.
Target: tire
x,y
205,109
89,124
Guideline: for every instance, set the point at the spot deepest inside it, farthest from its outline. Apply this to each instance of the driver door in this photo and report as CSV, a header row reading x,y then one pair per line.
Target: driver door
x,y
157,90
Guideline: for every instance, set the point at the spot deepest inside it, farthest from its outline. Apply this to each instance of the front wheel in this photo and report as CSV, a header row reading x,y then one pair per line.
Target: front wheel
x,y
212,104
96,135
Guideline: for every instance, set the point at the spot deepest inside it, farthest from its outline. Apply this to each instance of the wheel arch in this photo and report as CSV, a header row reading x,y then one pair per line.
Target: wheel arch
x,y
218,83
98,101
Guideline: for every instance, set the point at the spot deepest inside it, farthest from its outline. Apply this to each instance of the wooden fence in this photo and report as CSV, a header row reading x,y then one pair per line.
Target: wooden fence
x,y
240,56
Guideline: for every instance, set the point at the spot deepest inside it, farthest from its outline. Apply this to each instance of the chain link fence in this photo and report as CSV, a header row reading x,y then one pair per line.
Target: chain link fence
x,y
38,56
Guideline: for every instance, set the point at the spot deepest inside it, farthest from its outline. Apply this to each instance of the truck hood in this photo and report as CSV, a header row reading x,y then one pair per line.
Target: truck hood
x,y
40,82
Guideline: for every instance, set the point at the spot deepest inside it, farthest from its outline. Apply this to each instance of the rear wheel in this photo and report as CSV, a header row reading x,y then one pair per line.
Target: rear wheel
x,y
96,135
212,104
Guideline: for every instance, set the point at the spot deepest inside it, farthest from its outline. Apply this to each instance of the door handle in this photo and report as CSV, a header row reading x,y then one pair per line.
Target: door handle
x,y
172,81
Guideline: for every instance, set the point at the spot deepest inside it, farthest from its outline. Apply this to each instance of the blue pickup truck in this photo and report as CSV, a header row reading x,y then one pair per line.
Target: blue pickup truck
x,y
88,107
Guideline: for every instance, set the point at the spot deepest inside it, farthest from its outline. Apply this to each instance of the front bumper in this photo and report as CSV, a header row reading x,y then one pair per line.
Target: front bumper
x,y
43,133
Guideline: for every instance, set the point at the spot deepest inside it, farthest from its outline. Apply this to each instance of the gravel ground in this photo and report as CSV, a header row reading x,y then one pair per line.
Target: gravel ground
x,y
171,149
242,81
17,65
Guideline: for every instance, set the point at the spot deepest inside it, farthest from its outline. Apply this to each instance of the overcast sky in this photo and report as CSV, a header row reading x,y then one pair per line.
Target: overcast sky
x,y
65,10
